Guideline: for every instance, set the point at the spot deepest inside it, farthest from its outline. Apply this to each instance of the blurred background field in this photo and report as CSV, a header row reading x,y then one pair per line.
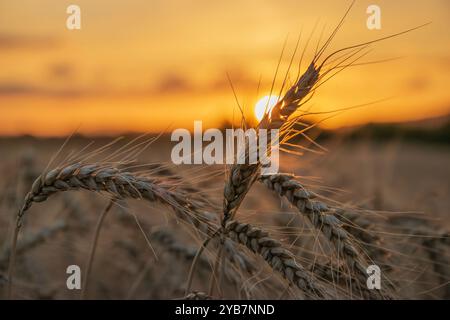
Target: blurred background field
x,y
402,175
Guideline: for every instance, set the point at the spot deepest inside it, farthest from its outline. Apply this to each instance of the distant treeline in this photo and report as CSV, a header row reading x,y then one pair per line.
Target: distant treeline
x,y
378,132
385,132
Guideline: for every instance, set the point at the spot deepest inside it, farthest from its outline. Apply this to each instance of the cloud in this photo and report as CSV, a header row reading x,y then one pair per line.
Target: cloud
x,y
15,89
170,83
418,83
178,83
61,71
173,83
16,41
18,89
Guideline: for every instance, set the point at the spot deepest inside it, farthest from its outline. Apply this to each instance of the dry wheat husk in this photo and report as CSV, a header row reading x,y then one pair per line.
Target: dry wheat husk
x,y
322,218
272,251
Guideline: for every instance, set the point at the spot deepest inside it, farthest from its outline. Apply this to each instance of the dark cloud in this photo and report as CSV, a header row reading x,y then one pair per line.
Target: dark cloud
x,y
61,71
15,41
418,83
177,83
173,83
17,89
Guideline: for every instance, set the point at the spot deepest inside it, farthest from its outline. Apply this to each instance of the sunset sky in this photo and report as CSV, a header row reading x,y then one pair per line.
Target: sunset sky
x,y
152,65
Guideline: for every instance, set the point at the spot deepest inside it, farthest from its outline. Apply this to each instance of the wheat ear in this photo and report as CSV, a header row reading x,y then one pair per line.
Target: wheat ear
x,y
279,258
318,214
109,179
361,228
242,176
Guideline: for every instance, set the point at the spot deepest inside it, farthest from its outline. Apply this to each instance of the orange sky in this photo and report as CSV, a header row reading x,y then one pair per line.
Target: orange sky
x,y
151,65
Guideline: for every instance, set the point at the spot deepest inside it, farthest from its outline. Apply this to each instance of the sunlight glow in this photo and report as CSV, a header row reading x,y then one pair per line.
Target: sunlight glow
x,y
267,102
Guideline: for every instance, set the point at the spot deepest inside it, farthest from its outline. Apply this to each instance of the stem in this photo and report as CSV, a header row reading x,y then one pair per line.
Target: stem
x,y
194,262
221,274
12,260
139,279
215,271
94,247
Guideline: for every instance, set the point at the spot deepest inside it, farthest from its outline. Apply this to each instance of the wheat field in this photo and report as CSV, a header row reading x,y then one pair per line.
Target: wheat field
x,y
136,228
141,227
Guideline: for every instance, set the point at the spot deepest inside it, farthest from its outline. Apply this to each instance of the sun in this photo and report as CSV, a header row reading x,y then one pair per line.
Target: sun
x,y
265,104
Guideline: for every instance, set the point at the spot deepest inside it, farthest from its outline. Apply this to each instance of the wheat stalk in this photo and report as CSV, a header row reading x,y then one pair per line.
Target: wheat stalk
x,y
292,99
109,179
90,260
321,217
436,245
117,183
279,258
242,176
361,228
